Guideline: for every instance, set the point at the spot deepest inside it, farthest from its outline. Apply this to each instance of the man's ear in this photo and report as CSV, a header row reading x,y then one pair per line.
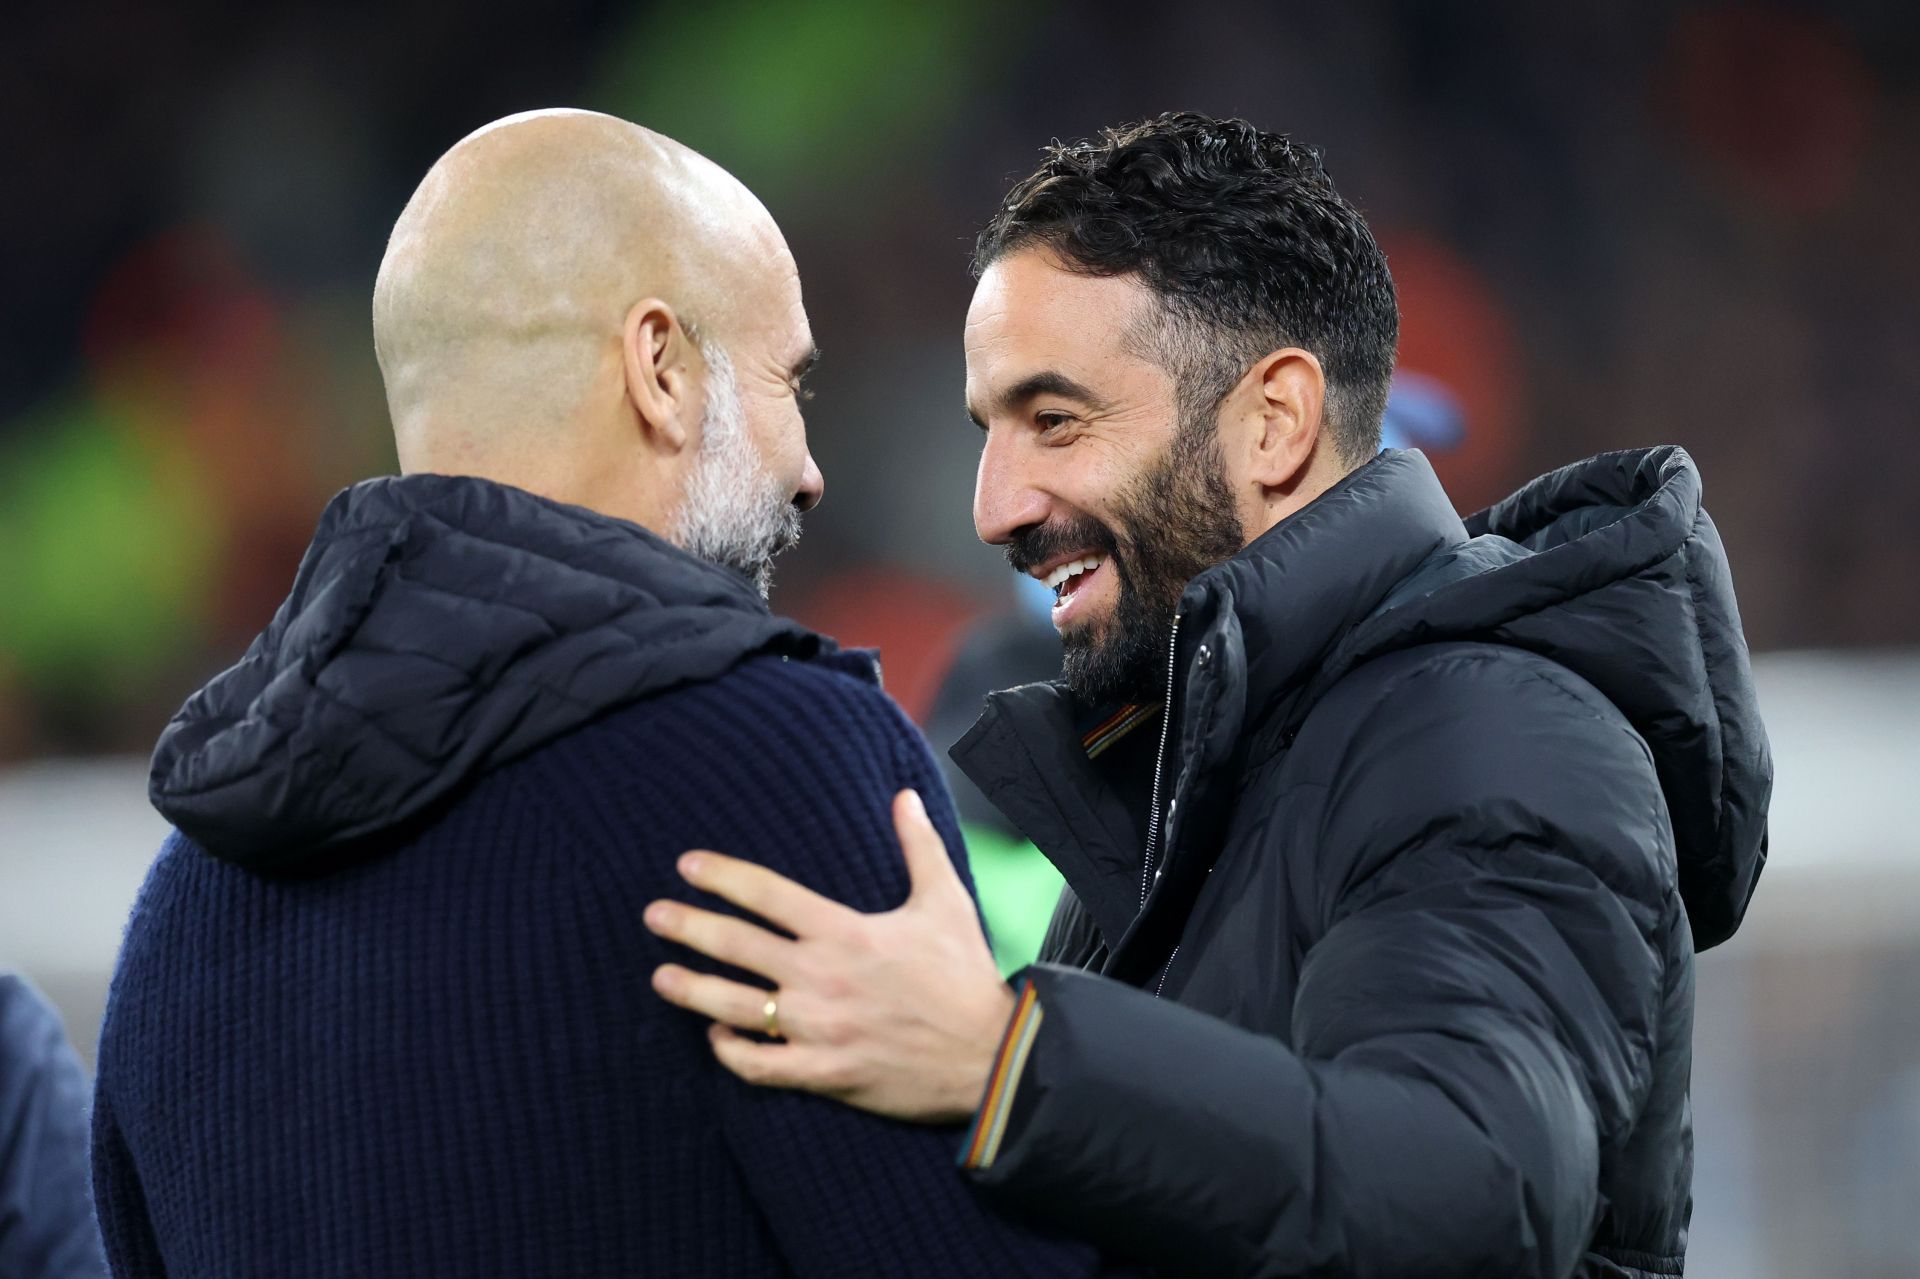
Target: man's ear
x,y
1290,392
660,362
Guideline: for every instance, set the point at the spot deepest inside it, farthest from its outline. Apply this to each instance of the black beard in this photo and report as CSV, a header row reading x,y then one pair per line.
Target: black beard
x,y
1173,522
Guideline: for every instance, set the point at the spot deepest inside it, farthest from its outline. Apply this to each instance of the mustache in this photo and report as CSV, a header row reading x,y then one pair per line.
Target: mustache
x,y
1032,547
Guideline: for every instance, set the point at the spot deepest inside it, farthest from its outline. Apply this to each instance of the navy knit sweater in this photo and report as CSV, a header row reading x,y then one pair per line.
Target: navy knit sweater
x,y
427,1046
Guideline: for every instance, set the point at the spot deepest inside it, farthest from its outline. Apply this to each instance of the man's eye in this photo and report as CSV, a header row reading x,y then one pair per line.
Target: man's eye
x,y
1051,421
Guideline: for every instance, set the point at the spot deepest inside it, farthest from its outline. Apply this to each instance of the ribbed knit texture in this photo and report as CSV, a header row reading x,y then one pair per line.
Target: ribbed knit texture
x,y
447,1059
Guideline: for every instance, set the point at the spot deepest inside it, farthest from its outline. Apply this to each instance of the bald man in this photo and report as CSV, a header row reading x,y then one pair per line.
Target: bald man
x,y
383,1004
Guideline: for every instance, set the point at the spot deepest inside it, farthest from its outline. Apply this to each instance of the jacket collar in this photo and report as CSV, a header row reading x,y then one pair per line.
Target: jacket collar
x,y
1298,589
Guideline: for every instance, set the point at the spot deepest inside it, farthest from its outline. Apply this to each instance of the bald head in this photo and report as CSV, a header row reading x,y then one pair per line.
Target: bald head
x,y
506,303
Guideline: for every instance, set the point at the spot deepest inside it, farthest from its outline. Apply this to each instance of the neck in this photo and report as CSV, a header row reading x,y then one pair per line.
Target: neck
x,y
1310,483
609,487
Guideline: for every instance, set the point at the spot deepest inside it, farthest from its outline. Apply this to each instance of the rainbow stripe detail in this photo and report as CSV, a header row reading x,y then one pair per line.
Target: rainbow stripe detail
x,y
1117,726
990,1121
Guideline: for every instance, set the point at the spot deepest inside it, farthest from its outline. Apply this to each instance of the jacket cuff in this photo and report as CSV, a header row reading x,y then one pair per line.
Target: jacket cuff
x,y
989,1128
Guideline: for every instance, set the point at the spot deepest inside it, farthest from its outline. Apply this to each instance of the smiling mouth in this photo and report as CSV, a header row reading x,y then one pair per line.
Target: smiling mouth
x,y
1067,578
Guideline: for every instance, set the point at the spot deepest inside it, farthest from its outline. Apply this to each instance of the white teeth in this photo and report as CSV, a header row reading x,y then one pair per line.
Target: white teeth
x,y
1058,578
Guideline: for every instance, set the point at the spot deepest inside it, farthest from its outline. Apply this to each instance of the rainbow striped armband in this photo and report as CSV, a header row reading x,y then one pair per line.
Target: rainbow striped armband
x,y
990,1121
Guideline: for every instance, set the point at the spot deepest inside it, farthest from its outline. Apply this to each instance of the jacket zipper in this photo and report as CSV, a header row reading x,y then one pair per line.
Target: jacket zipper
x,y
1159,767
1160,763
1162,983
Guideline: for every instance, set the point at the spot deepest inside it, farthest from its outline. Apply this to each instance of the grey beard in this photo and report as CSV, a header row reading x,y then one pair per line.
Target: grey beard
x,y
735,512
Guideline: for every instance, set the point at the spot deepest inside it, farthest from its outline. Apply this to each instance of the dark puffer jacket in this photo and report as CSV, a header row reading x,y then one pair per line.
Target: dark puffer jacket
x,y
1445,812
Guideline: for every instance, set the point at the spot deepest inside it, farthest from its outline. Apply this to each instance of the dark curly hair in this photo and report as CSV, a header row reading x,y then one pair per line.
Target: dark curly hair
x,y
1241,235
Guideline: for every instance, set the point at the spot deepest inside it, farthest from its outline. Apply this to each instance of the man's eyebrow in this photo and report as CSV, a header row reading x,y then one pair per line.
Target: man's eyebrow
x,y
1045,382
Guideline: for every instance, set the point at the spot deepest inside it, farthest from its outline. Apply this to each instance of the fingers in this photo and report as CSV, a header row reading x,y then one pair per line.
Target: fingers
x,y
929,865
715,997
772,1065
722,937
773,897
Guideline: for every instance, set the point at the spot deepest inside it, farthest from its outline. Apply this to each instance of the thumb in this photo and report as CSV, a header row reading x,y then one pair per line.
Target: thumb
x,y
929,867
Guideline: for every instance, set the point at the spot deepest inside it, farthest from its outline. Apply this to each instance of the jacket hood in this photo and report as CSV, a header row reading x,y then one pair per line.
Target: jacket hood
x,y
439,626
1609,567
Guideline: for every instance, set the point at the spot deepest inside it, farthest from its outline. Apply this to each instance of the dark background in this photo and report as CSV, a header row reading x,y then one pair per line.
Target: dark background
x,y
1612,225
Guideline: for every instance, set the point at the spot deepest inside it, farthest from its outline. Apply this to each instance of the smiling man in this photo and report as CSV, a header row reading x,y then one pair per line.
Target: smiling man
x,y
1389,839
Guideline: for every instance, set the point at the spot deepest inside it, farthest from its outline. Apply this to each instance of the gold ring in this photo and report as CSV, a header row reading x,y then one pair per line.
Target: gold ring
x,y
772,1014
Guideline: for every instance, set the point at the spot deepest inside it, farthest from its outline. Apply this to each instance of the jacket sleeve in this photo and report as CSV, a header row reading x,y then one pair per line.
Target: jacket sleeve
x,y
46,1219
1471,1025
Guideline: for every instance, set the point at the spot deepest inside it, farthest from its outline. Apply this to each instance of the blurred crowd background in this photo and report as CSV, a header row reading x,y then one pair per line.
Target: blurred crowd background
x,y
1611,225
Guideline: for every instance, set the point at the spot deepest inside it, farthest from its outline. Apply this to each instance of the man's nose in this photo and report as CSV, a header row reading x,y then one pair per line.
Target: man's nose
x,y
813,486
1005,498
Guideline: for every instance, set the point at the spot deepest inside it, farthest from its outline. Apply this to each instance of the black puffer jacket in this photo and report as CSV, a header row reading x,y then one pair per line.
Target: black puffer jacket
x,y
1446,811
